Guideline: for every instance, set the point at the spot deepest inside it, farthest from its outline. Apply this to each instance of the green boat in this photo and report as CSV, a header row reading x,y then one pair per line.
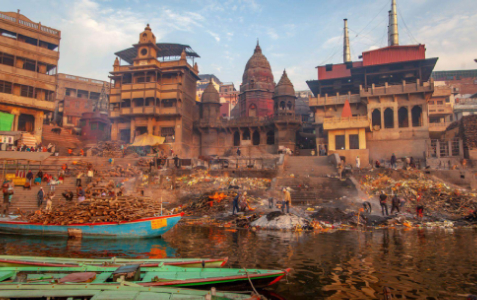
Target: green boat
x,y
107,292
161,276
41,261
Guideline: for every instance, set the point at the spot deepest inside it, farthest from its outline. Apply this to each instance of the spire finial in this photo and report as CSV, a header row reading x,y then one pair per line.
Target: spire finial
x,y
257,48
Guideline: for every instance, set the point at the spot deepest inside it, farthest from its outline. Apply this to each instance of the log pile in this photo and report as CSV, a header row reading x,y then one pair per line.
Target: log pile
x,y
469,131
109,149
97,210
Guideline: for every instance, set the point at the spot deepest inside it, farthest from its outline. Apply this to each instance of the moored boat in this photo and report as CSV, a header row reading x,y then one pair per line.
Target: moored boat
x,y
41,261
162,276
123,292
141,228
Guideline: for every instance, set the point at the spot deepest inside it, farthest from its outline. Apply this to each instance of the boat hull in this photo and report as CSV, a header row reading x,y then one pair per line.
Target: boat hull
x,y
142,228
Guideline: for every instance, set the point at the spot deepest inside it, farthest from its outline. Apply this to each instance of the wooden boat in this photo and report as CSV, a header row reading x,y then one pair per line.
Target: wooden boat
x,y
142,228
123,292
161,276
40,261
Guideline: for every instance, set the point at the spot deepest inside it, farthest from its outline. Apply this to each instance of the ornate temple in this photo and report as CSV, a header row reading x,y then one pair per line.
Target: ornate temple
x,y
154,95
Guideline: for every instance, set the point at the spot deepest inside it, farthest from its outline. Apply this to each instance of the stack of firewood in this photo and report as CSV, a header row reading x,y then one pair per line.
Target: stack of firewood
x,y
98,210
469,132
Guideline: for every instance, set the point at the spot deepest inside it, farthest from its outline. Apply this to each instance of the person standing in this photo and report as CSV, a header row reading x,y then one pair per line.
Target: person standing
x,y
40,196
90,175
176,161
286,201
396,203
238,151
40,175
235,205
382,202
358,162
29,176
7,197
393,161
270,202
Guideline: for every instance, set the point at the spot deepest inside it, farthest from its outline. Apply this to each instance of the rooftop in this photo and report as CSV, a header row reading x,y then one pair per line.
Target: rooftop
x,y
165,50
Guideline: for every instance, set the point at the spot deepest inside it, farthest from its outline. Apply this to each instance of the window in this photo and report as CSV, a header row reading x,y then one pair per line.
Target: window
x,y
416,113
70,92
246,135
143,79
143,51
168,133
5,87
94,96
329,67
354,141
271,137
6,59
376,117
447,100
82,123
403,117
26,91
101,126
29,65
168,102
83,94
440,102
93,126
339,142
388,118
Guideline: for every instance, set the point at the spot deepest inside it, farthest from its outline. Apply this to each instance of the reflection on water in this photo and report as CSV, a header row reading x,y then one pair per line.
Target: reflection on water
x,y
413,264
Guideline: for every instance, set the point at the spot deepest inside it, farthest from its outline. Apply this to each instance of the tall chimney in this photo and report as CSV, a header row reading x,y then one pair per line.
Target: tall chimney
x,y
346,49
393,26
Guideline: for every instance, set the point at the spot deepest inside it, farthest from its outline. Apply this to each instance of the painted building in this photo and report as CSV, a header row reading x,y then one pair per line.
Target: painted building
x,y
29,56
77,95
376,106
154,95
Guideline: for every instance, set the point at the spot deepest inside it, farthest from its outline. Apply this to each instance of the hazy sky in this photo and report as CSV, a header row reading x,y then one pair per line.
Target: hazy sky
x,y
297,35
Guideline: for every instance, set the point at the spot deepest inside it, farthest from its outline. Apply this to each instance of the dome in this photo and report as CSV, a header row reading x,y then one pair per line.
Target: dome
x,y
284,87
210,94
258,72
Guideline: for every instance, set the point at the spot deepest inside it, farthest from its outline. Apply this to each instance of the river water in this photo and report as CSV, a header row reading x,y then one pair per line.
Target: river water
x,y
413,264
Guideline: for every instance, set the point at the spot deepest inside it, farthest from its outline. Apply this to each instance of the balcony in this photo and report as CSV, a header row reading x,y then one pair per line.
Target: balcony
x,y
440,109
33,52
438,127
25,76
27,102
126,111
114,114
334,100
404,88
346,123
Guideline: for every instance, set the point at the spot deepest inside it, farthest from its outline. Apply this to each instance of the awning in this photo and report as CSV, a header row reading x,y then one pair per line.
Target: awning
x,y
148,140
16,155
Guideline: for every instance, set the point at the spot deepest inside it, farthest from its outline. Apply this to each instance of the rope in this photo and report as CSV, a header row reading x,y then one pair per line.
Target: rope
x,y
254,290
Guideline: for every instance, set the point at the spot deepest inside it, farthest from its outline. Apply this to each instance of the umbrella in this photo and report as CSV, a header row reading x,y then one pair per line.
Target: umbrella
x,y
147,139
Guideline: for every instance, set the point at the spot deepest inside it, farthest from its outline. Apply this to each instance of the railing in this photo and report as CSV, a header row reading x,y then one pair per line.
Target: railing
x,y
36,26
344,123
438,126
440,109
404,88
332,100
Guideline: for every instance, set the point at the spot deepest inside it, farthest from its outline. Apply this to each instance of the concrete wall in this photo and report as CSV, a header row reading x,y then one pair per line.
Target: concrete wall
x,y
350,156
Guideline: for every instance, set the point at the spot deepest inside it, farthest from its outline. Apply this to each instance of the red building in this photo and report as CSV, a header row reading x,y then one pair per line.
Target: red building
x,y
256,91
95,126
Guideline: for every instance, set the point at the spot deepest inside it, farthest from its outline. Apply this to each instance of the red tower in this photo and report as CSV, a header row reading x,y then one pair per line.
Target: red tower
x,y
256,91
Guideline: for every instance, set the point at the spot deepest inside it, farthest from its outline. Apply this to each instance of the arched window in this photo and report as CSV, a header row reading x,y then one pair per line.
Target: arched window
x,y
376,117
282,105
389,118
271,137
403,117
256,138
236,138
416,113
252,110
289,105
246,135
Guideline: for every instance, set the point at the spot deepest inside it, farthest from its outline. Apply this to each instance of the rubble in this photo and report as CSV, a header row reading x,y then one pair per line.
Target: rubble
x,y
279,221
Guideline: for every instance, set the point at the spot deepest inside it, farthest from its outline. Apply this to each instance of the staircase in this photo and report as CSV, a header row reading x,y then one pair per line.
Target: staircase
x,y
62,141
26,199
308,177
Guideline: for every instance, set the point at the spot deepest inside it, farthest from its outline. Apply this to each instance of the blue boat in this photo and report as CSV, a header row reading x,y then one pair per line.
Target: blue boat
x,y
142,228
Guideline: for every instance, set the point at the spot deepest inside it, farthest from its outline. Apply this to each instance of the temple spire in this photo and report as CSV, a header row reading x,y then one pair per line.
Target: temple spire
x,y
346,48
257,48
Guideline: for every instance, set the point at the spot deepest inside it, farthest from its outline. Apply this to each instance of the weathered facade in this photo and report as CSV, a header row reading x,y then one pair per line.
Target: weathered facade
x,y
154,96
77,95
29,54
375,107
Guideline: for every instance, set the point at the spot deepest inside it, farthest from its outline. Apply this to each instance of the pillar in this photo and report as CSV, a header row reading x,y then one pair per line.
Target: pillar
x,y
150,124
396,118
133,130
438,149
382,115
409,116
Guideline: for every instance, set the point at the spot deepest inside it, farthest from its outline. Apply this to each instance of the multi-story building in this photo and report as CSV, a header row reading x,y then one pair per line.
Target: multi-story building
x,y
77,95
29,54
441,108
377,106
152,95
464,82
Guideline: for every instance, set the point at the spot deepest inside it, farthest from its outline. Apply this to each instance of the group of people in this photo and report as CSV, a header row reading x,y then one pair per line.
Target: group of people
x,y
38,148
408,162
397,203
240,202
